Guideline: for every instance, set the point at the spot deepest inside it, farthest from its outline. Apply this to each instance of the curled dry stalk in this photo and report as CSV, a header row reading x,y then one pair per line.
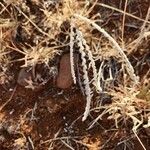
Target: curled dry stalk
x,y
84,49
128,65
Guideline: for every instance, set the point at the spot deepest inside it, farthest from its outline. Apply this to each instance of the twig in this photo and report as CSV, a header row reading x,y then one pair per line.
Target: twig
x,y
31,142
126,13
135,44
39,29
139,140
13,92
66,144
123,22
55,136
61,138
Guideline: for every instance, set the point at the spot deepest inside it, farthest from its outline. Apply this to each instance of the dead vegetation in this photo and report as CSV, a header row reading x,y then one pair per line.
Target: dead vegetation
x,y
102,47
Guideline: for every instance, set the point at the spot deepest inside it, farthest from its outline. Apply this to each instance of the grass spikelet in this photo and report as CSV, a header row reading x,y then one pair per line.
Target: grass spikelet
x,y
72,34
85,76
90,57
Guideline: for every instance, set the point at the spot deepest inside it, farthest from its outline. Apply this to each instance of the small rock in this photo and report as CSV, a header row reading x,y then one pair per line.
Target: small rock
x,y
24,75
25,79
64,79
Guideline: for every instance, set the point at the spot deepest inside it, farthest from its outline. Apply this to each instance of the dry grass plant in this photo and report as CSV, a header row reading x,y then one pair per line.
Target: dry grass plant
x,y
125,106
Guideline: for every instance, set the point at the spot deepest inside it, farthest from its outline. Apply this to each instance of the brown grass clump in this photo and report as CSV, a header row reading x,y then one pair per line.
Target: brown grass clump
x,y
108,45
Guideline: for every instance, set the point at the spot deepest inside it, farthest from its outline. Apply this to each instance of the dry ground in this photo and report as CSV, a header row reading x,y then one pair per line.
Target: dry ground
x,y
41,108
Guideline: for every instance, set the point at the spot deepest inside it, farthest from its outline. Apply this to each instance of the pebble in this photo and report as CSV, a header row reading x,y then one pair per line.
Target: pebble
x,y
24,75
64,79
